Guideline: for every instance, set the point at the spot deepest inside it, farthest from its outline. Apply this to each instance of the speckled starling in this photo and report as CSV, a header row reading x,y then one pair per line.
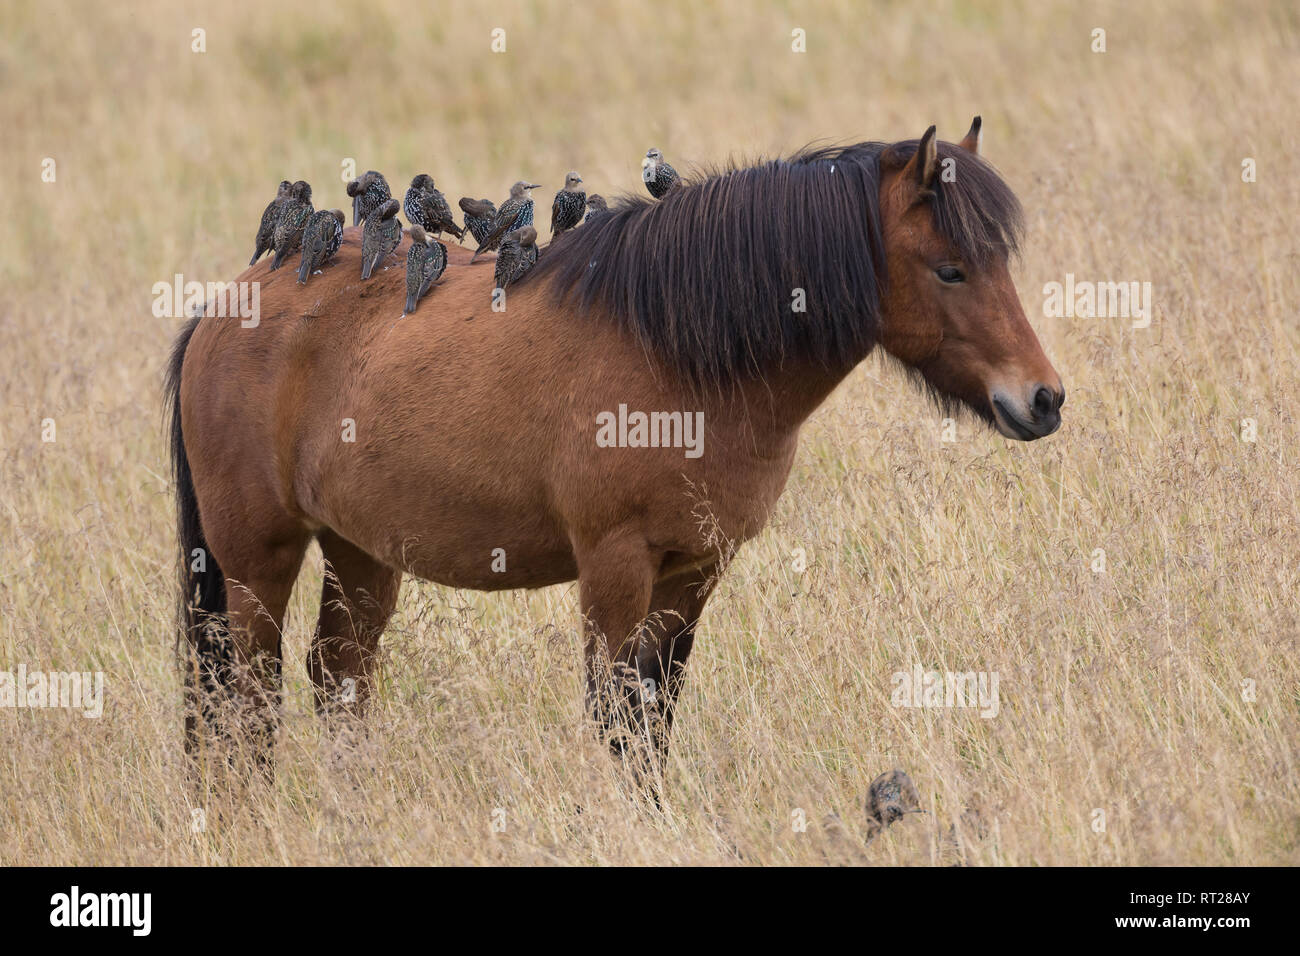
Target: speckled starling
x,y
479,214
294,213
368,193
891,796
515,213
427,207
320,240
570,204
425,262
266,231
596,206
382,234
518,254
658,176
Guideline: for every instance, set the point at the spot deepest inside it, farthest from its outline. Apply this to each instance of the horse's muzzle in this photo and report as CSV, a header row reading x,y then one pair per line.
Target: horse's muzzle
x,y
1025,421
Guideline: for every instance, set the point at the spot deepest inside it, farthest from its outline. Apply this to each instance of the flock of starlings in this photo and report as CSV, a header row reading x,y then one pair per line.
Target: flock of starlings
x,y
290,223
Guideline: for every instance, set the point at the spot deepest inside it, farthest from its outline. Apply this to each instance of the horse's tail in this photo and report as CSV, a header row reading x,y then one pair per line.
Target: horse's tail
x,y
204,650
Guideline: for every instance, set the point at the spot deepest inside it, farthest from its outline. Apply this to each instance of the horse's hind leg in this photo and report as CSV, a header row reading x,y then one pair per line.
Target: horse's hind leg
x,y
357,598
259,580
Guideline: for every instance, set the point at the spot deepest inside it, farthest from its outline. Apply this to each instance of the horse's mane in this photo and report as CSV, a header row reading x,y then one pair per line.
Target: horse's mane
x,y
706,277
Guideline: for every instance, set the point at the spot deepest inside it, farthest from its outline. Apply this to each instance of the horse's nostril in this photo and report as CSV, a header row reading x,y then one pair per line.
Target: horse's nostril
x,y
1044,401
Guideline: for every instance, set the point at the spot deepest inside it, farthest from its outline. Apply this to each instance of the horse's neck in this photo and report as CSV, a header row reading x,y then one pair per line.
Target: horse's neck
x,y
776,406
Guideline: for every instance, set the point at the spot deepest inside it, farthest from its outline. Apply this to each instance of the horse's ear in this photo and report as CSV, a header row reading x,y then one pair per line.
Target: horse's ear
x,y
971,142
924,164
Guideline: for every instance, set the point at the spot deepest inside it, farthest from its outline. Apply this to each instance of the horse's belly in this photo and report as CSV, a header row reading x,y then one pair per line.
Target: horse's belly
x,y
455,539
486,564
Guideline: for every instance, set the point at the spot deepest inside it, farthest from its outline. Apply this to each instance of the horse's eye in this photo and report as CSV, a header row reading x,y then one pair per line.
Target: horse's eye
x,y
950,274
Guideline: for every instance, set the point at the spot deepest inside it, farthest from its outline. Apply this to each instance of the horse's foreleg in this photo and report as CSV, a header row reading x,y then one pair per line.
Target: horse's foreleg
x,y
357,599
615,581
675,607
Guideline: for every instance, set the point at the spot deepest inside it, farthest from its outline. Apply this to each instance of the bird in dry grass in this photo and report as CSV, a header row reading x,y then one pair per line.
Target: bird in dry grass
x,y
368,193
320,240
518,254
270,215
890,797
515,213
570,203
380,237
479,215
294,213
596,207
425,262
426,207
658,176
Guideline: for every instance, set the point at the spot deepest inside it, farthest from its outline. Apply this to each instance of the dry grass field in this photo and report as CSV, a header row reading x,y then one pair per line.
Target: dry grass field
x,y
1132,580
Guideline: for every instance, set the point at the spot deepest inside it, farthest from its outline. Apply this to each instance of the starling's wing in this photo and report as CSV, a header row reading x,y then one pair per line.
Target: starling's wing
x,y
336,237
442,212
392,236
437,262
416,261
426,272
501,225
558,216
506,263
369,237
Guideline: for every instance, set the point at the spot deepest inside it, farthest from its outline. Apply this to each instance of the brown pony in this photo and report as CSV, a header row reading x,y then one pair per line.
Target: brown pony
x,y
627,420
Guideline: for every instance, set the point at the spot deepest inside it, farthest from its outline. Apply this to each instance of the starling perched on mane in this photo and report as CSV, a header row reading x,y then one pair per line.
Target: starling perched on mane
x,y
270,215
368,193
294,213
427,207
658,176
515,213
479,215
596,206
320,240
570,204
518,254
425,262
380,237
891,796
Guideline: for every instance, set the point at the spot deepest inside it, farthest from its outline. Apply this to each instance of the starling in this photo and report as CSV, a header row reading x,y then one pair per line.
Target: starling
x,y
266,231
570,203
382,234
425,262
479,214
294,213
596,207
427,208
518,254
515,213
891,796
368,194
659,177
320,240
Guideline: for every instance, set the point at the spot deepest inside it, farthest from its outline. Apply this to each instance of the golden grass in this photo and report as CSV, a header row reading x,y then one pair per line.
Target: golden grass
x,y
1119,690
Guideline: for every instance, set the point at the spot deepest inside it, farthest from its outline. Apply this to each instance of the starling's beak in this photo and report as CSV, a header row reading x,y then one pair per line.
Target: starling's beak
x,y
535,186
